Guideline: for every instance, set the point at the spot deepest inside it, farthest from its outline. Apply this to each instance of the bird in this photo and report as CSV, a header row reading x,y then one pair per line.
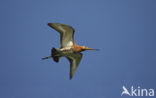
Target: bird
x,y
68,48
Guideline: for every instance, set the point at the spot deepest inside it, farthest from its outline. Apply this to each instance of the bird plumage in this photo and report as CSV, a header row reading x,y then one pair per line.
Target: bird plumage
x,y
74,60
68,48
66,33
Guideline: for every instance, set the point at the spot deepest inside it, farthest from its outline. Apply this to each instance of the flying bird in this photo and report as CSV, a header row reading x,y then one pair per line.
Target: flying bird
x,y
68,48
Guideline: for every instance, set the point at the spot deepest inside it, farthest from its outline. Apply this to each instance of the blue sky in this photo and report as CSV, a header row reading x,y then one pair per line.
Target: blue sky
x,y
123,30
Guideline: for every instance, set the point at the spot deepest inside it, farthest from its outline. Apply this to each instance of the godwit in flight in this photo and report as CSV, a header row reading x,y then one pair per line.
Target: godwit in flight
x,y
69,48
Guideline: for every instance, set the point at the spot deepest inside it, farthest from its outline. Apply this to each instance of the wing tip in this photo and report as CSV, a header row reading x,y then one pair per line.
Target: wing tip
x,y
49,24
70,78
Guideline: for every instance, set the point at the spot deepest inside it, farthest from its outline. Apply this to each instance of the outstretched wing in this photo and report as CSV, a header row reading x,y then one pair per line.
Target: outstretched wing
x,y
74,60
66,32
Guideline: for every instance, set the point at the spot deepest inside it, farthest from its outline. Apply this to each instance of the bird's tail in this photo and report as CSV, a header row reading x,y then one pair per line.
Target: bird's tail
x,y
48,57
55,53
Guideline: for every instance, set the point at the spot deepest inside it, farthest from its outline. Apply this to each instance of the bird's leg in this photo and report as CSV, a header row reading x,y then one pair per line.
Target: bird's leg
x,y
48,57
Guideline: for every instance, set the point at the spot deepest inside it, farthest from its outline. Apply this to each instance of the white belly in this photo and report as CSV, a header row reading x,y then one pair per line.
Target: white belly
x,y
69,44
65,48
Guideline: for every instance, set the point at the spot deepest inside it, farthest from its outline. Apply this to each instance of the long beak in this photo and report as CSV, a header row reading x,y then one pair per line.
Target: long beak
x,y
91,49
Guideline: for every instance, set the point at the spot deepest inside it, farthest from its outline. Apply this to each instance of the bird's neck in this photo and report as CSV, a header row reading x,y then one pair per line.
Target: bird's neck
x,y
77,48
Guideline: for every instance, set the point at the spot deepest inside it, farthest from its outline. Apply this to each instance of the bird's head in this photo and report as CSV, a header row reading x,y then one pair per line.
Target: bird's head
x,y
86,48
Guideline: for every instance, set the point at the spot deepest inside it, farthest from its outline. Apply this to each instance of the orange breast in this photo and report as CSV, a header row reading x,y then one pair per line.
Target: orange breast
x,y
76,48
